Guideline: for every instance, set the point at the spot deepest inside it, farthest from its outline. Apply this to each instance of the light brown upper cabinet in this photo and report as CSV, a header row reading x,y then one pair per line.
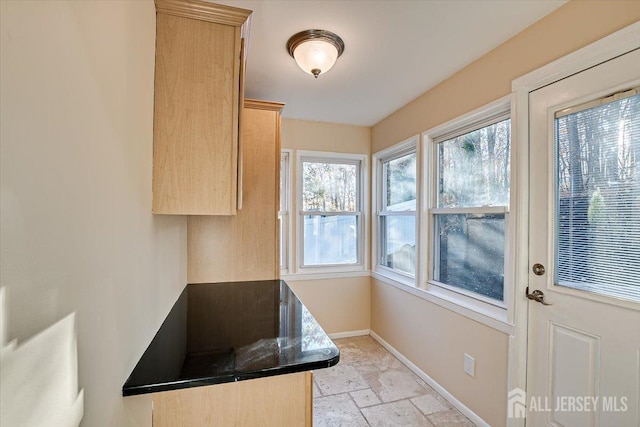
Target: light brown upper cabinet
x,y
198,101
245,246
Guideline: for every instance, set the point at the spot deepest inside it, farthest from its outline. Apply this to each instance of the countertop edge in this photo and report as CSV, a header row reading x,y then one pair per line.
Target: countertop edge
x,y
200,382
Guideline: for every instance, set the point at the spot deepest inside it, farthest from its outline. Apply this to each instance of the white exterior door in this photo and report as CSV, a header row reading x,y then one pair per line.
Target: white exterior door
x,y
583,365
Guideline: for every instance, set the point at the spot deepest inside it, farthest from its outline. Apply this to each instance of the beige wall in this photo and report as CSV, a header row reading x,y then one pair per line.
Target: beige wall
x,y
569,28
77,230
434,338
339,305
320,136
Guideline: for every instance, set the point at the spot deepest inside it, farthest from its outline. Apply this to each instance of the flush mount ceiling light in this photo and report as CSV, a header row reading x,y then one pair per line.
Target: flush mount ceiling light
x,y
315,51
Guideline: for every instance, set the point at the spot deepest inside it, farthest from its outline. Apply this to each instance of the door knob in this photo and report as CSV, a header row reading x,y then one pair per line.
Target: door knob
x,y
537,295
538,269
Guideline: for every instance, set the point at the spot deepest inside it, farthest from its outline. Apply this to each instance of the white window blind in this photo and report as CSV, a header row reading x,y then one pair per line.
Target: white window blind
x,y
597,171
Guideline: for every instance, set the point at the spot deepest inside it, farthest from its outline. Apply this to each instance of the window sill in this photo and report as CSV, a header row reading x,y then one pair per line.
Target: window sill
x,y
395,276
495,319
324,275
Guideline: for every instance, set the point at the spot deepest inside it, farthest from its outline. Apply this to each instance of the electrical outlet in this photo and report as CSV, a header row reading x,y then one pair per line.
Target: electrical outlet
x,y
470,365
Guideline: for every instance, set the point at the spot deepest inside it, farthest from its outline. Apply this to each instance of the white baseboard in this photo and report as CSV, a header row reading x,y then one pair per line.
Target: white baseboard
x,y
348,334
437,387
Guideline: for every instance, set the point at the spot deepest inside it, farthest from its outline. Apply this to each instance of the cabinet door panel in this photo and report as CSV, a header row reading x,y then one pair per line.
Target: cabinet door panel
x,y
196,117
281,400
245,246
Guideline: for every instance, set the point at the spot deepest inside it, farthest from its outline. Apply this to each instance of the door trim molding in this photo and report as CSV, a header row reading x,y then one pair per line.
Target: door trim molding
x,y
609,47
605,49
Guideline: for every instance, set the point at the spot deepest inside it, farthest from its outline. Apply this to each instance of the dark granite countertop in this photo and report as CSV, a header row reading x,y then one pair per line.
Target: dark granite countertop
x,y
225,332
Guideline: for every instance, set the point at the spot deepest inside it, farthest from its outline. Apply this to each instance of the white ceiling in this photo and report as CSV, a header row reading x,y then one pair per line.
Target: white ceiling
x,y
394,50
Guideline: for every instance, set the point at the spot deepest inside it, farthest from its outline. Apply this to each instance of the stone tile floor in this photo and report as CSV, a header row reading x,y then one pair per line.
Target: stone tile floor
x,y
370,387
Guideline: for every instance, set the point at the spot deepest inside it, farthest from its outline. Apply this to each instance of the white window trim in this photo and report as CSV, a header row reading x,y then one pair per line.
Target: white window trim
x,y
398,150
363,223
503,313
286,215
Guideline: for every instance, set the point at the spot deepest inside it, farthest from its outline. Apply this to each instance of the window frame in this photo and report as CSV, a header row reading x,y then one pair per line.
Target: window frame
x,y
401,149
360,160
494,112
284,214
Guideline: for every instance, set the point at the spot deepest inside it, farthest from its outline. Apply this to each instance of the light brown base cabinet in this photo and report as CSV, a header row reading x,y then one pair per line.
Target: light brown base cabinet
x,y
278,401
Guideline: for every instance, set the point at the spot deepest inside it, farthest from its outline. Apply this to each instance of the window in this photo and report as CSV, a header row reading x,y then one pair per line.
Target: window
x,y
598,196
283,213
330,223
396,197
470,207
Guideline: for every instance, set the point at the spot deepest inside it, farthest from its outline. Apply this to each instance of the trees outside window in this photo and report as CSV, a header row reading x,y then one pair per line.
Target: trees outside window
x,y
331,216
472,202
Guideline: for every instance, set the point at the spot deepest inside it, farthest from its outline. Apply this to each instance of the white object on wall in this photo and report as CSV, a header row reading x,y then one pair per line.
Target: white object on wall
x,y
39,377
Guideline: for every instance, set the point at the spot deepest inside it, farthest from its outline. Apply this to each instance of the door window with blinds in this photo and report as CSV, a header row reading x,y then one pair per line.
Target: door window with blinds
x,y
597,180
